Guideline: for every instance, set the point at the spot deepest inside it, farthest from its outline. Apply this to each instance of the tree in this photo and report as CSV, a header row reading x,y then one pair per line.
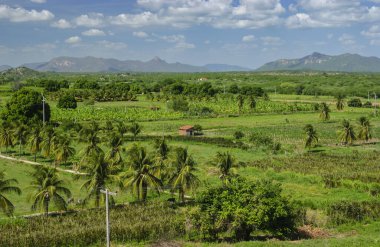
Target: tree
x,y
114,154
48,137
7,186
226,165
89,135
141,173
243,208
240,102
183,178
48,187
252,102
6,136
161,156
25,106
135,129
347,134
340,102
20,134
364,129
178,104
100,173
324,112
67,101
35,140
121,128
311,135
355,102
198,129
62,149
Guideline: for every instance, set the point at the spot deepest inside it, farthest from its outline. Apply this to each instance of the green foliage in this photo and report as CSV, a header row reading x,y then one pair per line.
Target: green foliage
x,y
311,135
324,111
178,104
347,134
355,102
365,130
67,101
348,212
25,106
241,209
238,135
7,186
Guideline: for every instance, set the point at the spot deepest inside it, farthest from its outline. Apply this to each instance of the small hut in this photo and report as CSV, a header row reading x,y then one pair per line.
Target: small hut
x,y
187,130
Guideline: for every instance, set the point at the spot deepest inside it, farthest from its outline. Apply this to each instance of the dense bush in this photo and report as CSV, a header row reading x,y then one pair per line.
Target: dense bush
x,y
348,211
178,104
355,103
242,209
67,101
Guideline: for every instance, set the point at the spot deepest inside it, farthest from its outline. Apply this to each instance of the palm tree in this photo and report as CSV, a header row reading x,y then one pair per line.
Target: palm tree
x,y
135,129
89,135
6,186
6,135
121,128
324,111
311,135
62,149
140,175
47,140
183,178
161,156
20,134
364,129
252,102
226,165
48,187
35,140
240,101
99,175
347,134
340,102
114,154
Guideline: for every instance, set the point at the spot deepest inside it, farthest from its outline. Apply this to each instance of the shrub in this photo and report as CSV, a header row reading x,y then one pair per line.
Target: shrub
x,y
238,135
67,101
356,102
241,209
178,104
198,131
367,104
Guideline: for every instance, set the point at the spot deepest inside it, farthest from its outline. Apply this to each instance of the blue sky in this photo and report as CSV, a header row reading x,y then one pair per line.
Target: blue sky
x,y
242,32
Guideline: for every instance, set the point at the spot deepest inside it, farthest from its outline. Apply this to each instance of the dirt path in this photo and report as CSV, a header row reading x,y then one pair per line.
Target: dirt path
x,y
39,164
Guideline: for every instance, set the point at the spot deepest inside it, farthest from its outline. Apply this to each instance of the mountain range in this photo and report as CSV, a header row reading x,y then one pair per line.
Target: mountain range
x,y
321,62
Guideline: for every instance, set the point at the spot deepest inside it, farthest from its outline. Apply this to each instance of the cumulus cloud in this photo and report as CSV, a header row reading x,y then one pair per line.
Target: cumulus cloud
x,y
373,31
271,41
62,24
19,14
73,40
94,32
112,45
347,39
140,34
90,20
38,1
248,38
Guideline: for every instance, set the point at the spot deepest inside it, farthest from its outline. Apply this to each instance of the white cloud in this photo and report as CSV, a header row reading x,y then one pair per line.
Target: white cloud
x,y
73,40
303,20
248,38
271,41
62,24
173,38
184,46
19,14
112,45
93,32
90,20
140,34
375,42
38,1
373,31
347,39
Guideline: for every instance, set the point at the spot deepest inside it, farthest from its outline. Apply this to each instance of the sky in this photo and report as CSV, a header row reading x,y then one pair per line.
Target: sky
x,y
248,33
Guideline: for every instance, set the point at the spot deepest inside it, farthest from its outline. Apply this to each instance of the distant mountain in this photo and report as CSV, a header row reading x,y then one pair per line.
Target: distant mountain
x,y
4,67
224,68
320,62
93,64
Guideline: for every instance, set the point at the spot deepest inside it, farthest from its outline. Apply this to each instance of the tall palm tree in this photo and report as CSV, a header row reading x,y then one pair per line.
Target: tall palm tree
x,y
324,111
89,135
6,134
135,129
311,136
226,165
340,102
48,135
364,129
20,135
6,186
100,173
121,128
114,154
62,149
48,187
347,134
35,140
161,156
183,178
140,175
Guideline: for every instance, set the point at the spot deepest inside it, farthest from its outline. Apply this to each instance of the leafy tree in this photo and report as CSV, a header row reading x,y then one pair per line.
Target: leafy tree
x,y
178,104
35,140
135,129
197,129
20,134
6,135
183,177
347,134
7,186
355,102
48,187
243,208
364,129
67,101
25,106
340,102
226,165
311,135
141,173
324,111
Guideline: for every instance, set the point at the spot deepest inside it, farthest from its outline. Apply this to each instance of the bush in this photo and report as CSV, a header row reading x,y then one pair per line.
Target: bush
x,y
238,135
356,102
367,104
198,130
178,104
241,209
67,101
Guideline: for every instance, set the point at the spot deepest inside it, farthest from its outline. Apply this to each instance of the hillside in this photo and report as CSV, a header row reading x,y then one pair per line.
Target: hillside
x,y
321,62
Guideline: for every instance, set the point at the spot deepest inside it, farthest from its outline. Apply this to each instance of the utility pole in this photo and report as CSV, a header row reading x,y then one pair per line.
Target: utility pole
x,y
375,104
107,192
43,109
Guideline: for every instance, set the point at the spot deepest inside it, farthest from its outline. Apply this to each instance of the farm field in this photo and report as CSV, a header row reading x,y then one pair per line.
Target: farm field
x,y
333,185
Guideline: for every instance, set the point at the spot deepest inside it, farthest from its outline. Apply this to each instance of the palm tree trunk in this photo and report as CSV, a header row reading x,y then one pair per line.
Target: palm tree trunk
x,y
97,199
35,156
144,191
181,194
46,204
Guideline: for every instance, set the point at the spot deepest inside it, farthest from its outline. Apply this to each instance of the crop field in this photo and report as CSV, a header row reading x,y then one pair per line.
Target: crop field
x,y
333,184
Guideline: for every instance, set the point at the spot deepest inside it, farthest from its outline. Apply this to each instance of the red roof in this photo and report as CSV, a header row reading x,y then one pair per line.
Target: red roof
x,y
186,127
